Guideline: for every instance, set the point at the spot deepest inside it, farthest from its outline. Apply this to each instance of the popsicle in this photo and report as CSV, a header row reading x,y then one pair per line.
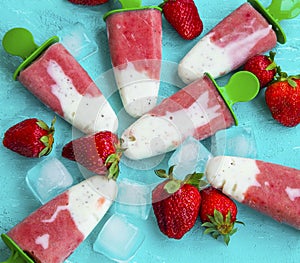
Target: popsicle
x,y
249,30
135,42
199,110
52,232
269,188
54,76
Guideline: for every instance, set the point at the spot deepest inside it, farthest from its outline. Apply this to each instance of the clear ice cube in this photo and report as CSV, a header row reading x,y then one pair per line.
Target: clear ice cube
x,y
191,156
77,41
119,239
48,178
236,141
133,199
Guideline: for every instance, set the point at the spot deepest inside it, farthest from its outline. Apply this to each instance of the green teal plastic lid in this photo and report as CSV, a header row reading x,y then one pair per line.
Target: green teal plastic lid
x,y
130,5
17,255
242,86
277,11
20,42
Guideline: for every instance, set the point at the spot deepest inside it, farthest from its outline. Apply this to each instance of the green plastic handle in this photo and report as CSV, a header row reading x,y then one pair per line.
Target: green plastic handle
x,y
20,42
17,255
130,5
242,86
277,11
284,9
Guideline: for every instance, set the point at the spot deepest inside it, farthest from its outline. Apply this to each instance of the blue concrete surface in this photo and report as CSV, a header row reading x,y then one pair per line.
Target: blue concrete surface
x,y
260,240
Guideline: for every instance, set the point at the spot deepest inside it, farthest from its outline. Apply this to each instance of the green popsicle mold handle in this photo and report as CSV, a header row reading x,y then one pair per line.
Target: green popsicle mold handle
x,y
242,86
18,255
130,5
20,42
277,11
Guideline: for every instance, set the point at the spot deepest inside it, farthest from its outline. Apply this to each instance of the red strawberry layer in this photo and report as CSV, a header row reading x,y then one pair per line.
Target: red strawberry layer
x,y
278,194
212,109
38,80
48,240
136,37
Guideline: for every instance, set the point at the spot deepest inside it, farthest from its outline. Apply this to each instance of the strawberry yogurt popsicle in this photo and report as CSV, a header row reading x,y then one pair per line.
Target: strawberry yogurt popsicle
x,y
60,82
239,36
135,43
56,78
269,188
197,110
55,230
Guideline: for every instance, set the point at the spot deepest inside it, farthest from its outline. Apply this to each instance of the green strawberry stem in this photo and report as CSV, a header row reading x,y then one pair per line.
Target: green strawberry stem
x,y
113,160
48,139
273,64
283,76
220,226
174,184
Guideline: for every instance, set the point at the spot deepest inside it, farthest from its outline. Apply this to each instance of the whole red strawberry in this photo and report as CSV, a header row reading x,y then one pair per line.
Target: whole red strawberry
x,y
88,2
175,204
283,99
217,213
30,138
184,17
99,152
263,67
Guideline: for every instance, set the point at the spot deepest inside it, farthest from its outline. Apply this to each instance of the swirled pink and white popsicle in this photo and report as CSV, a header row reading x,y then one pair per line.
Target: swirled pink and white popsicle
x,y
55,230
135,42
197,110
269,188
239,36
61,83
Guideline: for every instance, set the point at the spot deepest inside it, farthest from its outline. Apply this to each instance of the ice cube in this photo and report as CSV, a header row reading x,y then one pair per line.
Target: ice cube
x,y
119,239
133,199
77,41
48,178
236,141
191,156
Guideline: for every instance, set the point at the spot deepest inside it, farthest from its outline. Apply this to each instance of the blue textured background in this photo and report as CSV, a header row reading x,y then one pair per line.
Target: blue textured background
x,y
260,240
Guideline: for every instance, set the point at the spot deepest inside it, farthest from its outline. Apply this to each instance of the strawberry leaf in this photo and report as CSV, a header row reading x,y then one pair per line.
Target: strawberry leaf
x,y
195,180
161,173
292,82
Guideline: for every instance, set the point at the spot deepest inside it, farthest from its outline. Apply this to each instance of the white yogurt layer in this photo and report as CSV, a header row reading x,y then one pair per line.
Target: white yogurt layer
x,y
234,175
153,135
206,56
150,136
137,90
86,113
88,202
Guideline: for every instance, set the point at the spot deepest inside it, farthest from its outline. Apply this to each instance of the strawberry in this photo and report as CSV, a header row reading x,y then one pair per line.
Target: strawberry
x,y
217,213
88,2
99,152
283,99
184,17
176,204
30,138
263,67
